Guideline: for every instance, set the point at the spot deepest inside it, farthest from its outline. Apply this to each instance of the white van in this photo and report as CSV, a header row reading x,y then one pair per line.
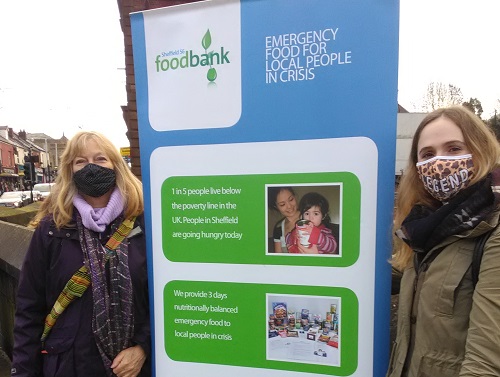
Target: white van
x,y
44,188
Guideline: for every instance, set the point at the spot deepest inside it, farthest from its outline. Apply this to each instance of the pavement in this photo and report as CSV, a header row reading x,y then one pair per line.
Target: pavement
x,y
20,216
4,364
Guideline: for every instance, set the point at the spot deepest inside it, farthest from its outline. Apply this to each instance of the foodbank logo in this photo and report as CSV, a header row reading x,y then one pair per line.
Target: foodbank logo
x,y
189,59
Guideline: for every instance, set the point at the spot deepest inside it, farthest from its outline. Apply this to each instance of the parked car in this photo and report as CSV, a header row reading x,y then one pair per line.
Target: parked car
x,y
44,188
14,199
36,195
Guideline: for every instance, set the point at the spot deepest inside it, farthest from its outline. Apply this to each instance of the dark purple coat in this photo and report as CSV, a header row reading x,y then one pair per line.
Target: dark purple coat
x,y
52,258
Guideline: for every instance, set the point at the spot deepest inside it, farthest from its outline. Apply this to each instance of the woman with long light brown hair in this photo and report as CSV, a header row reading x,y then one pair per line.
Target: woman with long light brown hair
x,y
448,199
88,235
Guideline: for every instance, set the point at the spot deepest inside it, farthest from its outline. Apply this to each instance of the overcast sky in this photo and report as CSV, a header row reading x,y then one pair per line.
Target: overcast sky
x,y
450,41
61,66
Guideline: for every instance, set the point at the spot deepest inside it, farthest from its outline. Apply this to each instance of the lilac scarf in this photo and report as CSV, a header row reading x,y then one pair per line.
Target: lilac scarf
x,y
97,219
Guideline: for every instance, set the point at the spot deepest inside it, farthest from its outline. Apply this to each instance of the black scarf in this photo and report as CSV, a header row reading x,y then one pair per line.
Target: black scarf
x,y
426,227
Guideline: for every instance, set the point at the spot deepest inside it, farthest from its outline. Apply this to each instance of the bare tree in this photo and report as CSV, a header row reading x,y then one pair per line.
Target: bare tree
x,y
441,95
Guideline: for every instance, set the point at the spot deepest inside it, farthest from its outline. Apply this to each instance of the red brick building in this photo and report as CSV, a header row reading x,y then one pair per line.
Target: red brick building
x,y
130,110
7,162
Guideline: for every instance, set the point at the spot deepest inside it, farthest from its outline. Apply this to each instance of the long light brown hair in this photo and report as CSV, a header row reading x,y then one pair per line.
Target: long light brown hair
x,y
60,202
485,152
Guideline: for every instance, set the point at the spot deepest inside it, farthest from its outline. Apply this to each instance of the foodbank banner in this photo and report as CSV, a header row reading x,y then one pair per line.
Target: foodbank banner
x,y
253,114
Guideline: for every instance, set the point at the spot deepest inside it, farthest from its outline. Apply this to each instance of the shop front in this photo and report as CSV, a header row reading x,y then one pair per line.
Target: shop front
x,y
9,179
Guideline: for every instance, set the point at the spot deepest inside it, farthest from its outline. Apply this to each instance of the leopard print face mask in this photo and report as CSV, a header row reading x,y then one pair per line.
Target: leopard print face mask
x,y
445,176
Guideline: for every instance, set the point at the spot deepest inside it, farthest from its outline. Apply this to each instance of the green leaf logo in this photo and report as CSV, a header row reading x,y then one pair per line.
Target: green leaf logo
x,y
207,40
211,74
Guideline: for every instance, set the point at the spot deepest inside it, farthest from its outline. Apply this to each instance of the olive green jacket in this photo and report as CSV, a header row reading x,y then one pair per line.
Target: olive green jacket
x,y
446,328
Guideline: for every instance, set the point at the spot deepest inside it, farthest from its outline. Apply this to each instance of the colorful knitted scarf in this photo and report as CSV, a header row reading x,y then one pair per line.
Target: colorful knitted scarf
x,y
75,287
112,320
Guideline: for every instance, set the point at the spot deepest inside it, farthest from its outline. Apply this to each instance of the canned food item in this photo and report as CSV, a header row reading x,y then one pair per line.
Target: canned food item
x,y
303,234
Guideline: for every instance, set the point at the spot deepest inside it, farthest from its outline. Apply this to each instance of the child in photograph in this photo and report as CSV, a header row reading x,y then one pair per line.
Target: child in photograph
x,y
314,208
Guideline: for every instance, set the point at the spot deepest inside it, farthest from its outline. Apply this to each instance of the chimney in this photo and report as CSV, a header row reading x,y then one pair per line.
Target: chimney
x,y
22,134
11,132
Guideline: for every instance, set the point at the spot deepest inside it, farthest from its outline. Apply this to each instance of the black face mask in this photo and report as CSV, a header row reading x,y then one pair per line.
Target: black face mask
x,y
94,180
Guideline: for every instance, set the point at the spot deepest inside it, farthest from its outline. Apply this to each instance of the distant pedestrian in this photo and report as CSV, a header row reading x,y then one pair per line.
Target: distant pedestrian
x,y
448,198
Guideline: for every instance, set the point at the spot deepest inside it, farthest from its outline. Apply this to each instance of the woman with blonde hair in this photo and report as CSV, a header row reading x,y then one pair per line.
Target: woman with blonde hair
x,y
89,234
448,199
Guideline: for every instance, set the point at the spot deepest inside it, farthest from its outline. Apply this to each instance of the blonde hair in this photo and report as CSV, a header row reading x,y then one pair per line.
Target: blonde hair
x,y
60,202
485,151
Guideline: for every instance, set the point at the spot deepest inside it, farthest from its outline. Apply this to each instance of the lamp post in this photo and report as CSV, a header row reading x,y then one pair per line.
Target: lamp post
x,y
31,174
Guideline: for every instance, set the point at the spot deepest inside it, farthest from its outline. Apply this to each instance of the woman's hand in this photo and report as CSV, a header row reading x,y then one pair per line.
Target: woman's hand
x,y
129,362
297,237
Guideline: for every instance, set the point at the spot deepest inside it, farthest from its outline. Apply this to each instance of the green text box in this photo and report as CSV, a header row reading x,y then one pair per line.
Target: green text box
x,y
193,207
242,340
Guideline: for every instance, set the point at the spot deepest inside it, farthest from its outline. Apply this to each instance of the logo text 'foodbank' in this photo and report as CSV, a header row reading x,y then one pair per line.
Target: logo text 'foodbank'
x,y
191,59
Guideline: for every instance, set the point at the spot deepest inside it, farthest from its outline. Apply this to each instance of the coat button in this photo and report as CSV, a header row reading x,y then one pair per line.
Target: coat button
x,y
68,235
413,319
51,233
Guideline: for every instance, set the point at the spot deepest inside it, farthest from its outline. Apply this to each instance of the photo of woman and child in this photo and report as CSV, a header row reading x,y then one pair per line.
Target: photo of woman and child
x,y
306,226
